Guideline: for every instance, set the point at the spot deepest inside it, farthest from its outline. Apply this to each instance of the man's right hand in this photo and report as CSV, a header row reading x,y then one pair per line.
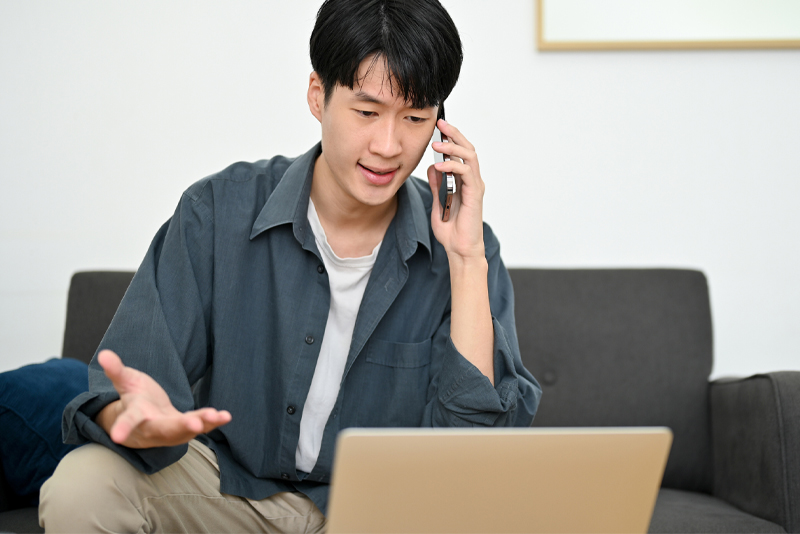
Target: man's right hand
x,y
144,417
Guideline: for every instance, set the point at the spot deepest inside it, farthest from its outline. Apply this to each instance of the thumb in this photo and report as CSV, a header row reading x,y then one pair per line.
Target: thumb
x,y
435,180
113,367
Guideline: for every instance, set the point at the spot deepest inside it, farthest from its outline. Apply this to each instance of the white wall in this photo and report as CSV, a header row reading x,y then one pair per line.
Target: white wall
x,y
108,110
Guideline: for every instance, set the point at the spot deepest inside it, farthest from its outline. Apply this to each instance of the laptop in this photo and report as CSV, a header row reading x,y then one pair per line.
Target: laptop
x,y
496,480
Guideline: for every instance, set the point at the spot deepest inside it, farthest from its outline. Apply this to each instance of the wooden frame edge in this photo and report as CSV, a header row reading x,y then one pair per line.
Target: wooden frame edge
x,y
666,45
540,42
547,46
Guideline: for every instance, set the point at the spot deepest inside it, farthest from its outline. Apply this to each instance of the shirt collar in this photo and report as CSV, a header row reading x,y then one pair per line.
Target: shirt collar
x,y
412,220
288,203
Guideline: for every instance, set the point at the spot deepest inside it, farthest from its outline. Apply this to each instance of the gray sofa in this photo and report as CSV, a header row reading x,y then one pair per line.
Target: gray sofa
x,y
611,347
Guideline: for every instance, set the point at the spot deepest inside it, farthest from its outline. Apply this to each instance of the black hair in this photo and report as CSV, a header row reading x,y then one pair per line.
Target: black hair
x,y
416,39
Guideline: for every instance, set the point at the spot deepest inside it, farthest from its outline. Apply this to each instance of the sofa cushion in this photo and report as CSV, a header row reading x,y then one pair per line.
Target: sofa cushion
x,y
622,347
20,521
32,399
686,511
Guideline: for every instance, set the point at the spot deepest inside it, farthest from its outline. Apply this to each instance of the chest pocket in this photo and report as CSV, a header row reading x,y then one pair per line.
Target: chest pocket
x,y
401,355
393,384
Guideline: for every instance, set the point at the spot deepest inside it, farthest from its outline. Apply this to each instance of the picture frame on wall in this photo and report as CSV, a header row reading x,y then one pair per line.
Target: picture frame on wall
x,y
667,24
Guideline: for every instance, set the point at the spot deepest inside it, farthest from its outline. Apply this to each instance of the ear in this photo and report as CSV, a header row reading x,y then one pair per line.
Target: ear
x,y
316,95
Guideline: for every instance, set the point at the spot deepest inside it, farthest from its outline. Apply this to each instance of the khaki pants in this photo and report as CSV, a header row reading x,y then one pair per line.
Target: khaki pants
x,y
95,490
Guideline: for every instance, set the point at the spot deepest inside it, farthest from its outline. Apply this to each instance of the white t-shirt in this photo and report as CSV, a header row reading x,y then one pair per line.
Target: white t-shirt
x,y
348,279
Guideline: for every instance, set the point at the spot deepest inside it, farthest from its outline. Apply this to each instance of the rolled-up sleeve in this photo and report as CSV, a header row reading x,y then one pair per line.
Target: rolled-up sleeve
x,y
460,394
160,329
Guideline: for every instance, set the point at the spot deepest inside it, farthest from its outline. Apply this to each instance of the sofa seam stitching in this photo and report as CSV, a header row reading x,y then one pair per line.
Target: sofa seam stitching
x,y
782,438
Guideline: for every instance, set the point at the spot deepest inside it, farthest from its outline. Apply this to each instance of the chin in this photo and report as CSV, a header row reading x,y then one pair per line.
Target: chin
x,y
378,199
377,195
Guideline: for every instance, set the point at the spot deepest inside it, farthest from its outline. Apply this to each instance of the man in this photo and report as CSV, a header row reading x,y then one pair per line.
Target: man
x,y
287,299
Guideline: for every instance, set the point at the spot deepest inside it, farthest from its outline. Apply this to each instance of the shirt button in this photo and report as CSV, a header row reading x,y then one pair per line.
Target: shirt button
x,y
320,269
284,476
309,339
290,410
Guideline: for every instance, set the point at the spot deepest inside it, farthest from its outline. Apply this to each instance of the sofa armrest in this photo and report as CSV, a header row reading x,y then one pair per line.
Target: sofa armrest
x,y
755,425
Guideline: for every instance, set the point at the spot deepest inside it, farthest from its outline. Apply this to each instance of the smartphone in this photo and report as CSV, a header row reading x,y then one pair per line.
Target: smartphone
x,y
447,187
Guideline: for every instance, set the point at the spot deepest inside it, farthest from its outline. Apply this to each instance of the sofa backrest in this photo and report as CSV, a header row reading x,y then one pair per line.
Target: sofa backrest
x,y
94,297
610,347
622,347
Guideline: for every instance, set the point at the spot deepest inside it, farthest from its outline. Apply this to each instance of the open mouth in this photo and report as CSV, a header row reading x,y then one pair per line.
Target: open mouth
x,y
378,177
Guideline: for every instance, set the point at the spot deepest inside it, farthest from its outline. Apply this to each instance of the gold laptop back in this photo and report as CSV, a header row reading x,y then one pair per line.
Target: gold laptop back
x,y
497,480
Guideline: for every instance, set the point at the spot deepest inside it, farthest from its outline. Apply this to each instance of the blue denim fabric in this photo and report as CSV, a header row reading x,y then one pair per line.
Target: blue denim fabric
x,y
229,307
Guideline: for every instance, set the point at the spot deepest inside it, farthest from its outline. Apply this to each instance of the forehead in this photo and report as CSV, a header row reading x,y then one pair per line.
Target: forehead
x,y
375,83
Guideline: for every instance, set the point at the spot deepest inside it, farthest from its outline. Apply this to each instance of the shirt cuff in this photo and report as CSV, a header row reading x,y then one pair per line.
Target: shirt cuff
x,y
78,427
469,396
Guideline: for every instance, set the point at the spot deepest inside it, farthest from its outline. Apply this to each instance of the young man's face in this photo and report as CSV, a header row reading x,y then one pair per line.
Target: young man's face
x,y
371,138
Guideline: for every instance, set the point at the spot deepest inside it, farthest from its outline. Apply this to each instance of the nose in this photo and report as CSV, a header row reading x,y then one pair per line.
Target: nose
x,y
386,139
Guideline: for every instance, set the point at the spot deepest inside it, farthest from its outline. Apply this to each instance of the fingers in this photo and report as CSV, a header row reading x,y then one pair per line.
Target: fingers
x,y
455,151
435,180
454,134
463,161
455,167
184,427
134,429
458,146
125,424
207,419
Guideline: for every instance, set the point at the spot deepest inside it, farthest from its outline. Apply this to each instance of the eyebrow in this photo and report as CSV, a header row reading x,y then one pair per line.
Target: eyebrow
x,y
365,97
361,95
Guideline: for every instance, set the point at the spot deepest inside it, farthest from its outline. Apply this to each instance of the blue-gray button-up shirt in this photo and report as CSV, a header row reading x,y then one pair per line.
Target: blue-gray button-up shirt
x,y
229,307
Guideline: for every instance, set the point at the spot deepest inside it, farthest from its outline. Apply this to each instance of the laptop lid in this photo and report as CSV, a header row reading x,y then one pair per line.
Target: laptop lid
x,y
496,480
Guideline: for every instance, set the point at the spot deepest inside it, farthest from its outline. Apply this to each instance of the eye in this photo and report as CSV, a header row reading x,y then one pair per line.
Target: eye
x,y
416,120
364,113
